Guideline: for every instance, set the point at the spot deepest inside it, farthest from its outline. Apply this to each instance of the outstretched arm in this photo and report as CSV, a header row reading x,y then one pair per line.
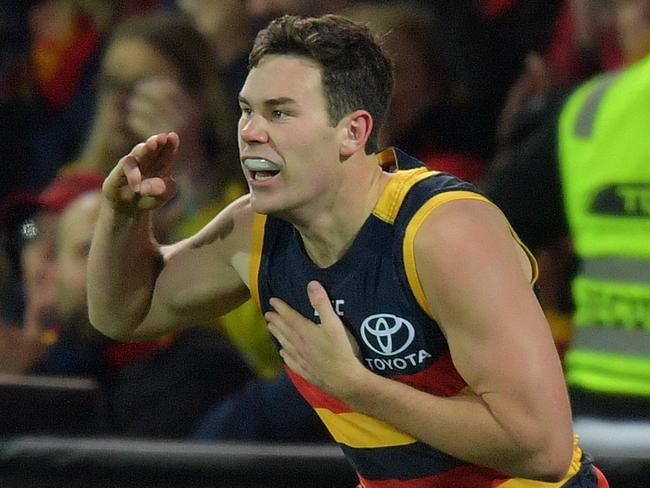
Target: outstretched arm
x,y
138,289
516,417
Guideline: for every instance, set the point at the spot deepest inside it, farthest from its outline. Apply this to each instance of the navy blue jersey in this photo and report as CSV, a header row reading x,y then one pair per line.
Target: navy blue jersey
x,y
375,290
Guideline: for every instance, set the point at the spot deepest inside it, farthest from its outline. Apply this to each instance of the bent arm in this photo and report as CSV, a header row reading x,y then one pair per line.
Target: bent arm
x,y
123,263
516,418
138,289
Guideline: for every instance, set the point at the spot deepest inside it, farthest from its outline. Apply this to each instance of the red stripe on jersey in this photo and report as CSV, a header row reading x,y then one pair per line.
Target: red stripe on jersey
x,y
316,397
470,476
441,378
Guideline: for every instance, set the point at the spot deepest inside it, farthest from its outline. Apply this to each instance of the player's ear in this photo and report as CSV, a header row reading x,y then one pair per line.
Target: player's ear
x,y
356,128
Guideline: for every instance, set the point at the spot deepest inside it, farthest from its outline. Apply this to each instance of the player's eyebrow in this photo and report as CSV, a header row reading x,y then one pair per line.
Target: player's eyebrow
x,y
272,102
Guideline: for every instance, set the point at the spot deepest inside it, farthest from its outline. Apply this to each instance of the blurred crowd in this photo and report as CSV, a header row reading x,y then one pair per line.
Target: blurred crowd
x,y
483,88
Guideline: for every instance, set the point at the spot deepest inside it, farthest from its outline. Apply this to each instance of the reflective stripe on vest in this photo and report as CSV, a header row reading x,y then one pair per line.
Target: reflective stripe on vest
x,y
609,373
616,269
612,292
613,340
585,121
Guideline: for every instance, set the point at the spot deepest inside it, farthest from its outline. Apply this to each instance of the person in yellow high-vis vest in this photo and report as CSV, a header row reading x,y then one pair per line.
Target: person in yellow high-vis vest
x,y
588,182
604,162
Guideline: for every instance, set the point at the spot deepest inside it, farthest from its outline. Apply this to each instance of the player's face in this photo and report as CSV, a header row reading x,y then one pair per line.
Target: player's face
x,y
289,149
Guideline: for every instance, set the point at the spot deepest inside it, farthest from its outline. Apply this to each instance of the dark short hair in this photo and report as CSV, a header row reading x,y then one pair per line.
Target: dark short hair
x,y
356,73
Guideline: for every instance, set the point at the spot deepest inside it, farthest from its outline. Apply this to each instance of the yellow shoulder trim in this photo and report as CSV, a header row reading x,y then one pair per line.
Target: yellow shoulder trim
x,y
257,241
400,183
361,431
413,227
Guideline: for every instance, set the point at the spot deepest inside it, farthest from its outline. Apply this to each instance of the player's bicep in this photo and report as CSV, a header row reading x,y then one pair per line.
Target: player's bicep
x,y
477,284
199,280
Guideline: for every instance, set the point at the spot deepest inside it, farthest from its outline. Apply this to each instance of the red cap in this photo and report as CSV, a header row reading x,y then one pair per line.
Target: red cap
x,y
65,188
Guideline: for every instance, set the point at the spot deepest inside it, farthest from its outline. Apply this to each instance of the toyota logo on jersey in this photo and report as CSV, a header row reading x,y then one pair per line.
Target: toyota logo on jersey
x,y
387,334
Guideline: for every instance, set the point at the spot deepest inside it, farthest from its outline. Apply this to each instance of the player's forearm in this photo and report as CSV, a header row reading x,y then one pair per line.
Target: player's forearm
x,y
467,428
122,267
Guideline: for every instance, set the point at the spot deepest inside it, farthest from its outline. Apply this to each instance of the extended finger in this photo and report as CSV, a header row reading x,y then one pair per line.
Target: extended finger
x,y
146,153
287,312
156,191
294,365
279,328
132,173
290,343
321,302
167,151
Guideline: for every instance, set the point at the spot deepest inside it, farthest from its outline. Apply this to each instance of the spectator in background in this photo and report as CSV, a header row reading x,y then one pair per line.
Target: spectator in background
x,y
425,119
15,209
584,41
581,44
576,178
603,167
144,385
158,74
30,266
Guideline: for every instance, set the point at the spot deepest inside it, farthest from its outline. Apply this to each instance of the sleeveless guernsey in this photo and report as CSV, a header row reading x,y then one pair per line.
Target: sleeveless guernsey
x,y
375,290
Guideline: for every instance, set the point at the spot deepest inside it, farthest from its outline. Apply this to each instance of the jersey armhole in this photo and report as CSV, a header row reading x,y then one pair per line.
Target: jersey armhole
x,y
257,242
414,225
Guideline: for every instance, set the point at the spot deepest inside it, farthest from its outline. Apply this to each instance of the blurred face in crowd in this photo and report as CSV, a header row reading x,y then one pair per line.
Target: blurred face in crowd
x,y
74,235
633,24
129,65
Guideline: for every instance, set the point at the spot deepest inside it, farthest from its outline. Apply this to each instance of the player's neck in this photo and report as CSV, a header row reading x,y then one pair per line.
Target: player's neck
x,y
328,235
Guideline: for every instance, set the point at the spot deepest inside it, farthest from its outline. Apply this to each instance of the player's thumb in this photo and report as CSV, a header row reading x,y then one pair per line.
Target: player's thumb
x,y
320,301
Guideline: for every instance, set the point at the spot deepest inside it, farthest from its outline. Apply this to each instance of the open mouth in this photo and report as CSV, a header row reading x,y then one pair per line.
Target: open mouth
x,y
261,169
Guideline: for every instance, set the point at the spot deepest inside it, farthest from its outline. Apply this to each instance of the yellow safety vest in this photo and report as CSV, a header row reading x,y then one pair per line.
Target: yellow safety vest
x,y
604,154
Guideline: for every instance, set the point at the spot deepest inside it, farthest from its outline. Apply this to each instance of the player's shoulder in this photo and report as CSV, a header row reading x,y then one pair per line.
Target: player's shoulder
x,y
462,222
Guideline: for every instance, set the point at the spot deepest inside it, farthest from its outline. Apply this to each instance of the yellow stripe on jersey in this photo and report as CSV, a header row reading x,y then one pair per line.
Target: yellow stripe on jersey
x,y
574,467
414,225
399,185
531,257
412,229
257,241
361,431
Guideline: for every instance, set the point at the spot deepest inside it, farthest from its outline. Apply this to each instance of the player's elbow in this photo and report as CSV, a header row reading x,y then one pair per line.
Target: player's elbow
x,y
549,459
105,327
109,324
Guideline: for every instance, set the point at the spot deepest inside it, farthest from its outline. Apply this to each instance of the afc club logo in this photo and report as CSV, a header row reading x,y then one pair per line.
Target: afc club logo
x,y
387,334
